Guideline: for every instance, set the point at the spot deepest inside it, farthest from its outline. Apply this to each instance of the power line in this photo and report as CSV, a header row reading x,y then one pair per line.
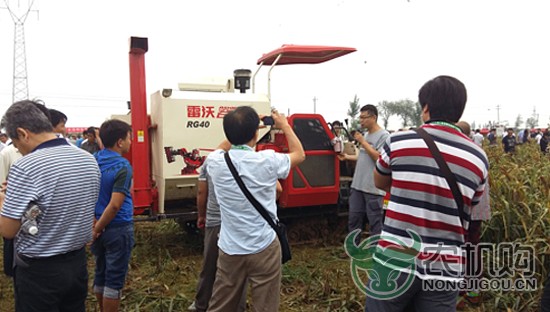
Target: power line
x,y
77,97
84,98
87,103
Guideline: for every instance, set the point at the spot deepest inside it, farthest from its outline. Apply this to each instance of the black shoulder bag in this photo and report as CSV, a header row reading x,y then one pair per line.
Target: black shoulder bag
x,y
444,168
279,227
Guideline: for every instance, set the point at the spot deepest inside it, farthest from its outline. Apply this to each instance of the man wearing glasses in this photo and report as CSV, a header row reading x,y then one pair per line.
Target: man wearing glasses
x,y
365,201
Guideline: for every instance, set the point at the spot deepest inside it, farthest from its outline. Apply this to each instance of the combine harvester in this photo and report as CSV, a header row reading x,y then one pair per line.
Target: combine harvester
x,y
170,144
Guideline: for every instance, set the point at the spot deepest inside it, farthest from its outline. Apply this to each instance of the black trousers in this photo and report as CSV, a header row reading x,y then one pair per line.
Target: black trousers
x,y
8,257
545,299
53,284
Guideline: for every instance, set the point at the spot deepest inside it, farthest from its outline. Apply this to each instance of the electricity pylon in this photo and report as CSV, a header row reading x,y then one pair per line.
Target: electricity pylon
x,y
19,15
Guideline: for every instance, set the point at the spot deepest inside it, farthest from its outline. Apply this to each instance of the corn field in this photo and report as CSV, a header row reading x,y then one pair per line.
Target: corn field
x,y
166,261
520,200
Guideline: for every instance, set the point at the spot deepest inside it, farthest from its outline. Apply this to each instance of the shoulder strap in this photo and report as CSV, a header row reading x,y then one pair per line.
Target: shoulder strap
x,y
444,168
247,193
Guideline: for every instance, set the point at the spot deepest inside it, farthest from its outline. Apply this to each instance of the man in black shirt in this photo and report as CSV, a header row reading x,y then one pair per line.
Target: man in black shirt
x,y
509,141
544,142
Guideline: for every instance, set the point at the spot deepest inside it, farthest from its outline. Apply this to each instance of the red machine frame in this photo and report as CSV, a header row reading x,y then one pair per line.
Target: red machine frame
x,y
310,195
145,194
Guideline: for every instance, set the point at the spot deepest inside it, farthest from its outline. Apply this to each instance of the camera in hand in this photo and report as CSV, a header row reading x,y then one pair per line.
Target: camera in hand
x,y
268,121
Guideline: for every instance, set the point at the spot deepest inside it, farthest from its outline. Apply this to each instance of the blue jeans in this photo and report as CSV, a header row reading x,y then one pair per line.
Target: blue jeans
x,y
112,252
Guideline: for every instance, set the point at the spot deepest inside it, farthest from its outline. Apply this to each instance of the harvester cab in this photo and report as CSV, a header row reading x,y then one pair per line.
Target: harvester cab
x,y
315,182
190,119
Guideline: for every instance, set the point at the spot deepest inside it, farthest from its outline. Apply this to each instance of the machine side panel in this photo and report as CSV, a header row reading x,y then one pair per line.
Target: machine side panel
x,y
188,121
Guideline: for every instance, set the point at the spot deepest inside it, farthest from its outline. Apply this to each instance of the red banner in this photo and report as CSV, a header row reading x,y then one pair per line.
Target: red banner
x,y
75,129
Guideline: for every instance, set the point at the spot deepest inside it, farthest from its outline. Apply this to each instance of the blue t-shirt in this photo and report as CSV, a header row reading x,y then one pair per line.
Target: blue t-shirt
x,y
116,177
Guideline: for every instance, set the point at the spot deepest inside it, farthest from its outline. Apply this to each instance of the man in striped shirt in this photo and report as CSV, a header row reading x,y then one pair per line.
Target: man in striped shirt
x,y
51,272
423,232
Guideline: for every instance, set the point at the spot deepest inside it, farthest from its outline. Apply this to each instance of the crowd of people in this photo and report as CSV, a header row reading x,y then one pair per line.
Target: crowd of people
x,y
50,210
509,141
419,200
416,193
434,179
539,136
401,167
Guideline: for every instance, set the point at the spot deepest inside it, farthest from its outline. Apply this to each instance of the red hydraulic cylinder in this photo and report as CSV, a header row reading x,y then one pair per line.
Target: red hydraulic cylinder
x,y
143,193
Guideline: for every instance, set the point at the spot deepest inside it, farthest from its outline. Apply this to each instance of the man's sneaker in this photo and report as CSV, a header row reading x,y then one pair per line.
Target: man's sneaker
x,y
192,307
470,298
473,298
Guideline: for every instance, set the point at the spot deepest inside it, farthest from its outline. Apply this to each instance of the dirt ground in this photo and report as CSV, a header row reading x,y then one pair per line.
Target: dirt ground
x,y
166,263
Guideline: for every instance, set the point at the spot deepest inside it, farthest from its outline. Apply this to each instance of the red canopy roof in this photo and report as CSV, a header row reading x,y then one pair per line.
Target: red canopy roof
x,y
303,54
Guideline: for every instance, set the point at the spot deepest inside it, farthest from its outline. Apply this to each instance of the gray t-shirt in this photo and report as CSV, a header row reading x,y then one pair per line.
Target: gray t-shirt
x,y
363,178
213,217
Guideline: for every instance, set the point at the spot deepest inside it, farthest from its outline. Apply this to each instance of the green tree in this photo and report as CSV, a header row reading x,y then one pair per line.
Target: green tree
x,y
519,122
409,112
385,111
533,121
353,111
417,118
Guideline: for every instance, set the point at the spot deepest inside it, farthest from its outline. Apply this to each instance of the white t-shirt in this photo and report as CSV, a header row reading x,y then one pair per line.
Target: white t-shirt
x,y
478,139
8,156
538,137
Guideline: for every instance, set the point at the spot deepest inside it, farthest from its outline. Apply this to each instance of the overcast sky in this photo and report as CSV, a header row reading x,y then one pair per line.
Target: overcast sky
x,y
77,51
